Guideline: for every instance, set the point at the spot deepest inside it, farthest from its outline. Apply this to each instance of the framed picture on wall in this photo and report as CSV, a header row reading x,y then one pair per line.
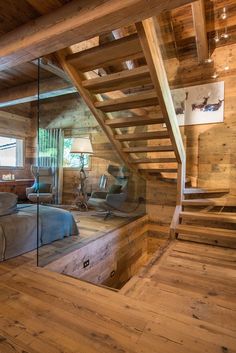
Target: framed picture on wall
x,y
202,104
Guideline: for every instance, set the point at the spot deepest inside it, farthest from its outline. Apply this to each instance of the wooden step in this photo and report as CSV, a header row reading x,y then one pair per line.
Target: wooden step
x,y
133,121
208,216
158,170
216,236
129,102
206,202
152,160
191,229
148,149
107,54
153,135
189,191
125,79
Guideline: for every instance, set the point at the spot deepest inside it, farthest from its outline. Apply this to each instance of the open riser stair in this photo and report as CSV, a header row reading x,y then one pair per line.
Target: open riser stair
x,y
124,84
208,216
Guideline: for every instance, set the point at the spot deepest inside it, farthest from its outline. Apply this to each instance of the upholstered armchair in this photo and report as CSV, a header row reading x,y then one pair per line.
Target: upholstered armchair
x,y
115,197
43,189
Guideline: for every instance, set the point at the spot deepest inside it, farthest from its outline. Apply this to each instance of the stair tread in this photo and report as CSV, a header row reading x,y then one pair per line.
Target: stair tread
x,y
196,230
159,170
141,149
120,80
134,121
128,102
205,190
143,136
221,201
153,160
211,216
107,54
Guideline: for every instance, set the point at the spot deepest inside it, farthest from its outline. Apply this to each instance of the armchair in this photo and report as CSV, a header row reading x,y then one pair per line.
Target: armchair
x,y
115,197
43,189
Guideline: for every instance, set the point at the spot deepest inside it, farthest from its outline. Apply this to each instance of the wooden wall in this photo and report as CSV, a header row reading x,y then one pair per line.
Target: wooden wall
x,y
19,126
114,258
210,148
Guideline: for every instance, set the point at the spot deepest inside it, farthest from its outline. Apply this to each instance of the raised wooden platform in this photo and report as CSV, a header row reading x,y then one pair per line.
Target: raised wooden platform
x,y
184,303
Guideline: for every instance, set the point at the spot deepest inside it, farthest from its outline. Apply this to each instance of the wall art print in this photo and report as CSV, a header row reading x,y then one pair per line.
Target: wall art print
x,y
202,104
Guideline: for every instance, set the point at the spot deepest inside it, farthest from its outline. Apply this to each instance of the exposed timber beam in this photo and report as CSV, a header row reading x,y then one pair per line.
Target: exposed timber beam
x,y
72,23
29,92
46,64
199,21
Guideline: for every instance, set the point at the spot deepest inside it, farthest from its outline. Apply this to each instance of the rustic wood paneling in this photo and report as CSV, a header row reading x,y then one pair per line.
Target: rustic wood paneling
x,y
114,258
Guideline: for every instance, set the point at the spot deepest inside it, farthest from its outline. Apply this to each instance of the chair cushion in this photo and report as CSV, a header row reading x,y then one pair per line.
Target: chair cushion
x,y
115,189
42,187
43,197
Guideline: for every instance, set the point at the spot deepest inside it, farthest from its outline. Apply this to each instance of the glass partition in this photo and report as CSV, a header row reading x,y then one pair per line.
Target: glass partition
x,y
77,171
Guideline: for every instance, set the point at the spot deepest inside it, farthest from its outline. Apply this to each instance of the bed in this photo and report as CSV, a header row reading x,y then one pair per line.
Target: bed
x,y
18,231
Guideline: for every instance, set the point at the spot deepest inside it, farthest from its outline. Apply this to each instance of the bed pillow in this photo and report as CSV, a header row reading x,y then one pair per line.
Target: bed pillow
x,y
42,188
8,203
115,189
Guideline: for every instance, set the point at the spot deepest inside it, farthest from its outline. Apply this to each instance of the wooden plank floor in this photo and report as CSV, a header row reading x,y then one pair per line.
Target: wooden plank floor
x,y
185,303
195,280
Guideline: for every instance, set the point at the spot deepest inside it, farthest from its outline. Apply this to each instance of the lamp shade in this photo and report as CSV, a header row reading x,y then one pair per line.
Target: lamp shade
x,y
81,145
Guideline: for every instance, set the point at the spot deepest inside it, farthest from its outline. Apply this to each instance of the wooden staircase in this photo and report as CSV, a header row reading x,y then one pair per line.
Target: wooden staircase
x,y
208,220
133,106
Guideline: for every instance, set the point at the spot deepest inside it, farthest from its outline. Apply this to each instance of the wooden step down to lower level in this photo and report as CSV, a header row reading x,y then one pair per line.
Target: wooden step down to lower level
x,y
208,216
133,121
153,135
129,102
189,191
220,201
118,81
216,236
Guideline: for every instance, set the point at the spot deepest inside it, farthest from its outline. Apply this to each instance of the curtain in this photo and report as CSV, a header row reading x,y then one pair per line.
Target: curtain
x,y
51,146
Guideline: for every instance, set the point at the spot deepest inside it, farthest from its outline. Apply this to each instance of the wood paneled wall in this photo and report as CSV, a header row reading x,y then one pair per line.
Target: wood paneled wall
x,y
113,258
210,148
19,126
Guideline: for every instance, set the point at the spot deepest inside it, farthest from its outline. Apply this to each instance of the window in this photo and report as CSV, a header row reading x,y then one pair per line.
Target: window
x,y
72,160
11,152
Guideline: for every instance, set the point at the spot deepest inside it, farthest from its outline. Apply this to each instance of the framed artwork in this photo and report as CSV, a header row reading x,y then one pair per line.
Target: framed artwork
x,y
202,104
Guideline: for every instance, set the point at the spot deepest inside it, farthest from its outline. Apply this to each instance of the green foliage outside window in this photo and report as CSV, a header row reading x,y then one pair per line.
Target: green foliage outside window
x,y
72,160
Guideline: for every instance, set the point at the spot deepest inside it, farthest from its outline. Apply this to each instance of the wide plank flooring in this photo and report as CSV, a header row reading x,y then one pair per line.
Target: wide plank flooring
x,y
184,303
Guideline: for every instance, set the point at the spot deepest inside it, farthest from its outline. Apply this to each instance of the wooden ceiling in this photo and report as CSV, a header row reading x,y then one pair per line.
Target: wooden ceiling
x,y
178,30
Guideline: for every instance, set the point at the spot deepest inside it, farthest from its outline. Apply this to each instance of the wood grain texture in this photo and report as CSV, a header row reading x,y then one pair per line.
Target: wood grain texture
x,y
184,302
73,23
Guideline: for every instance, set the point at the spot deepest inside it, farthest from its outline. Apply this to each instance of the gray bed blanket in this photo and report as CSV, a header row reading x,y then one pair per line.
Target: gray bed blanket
x,y
18,232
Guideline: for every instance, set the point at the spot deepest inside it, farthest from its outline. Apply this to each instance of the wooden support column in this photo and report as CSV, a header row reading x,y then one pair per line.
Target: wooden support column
x,y
199,21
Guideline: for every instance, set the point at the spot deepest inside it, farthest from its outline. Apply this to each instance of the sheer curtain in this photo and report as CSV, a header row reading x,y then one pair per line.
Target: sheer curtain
x,y
51,146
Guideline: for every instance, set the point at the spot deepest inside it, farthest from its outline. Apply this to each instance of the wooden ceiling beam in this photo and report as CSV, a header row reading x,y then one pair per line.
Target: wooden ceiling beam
x,y
199,22
72,23
47,65
29,92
